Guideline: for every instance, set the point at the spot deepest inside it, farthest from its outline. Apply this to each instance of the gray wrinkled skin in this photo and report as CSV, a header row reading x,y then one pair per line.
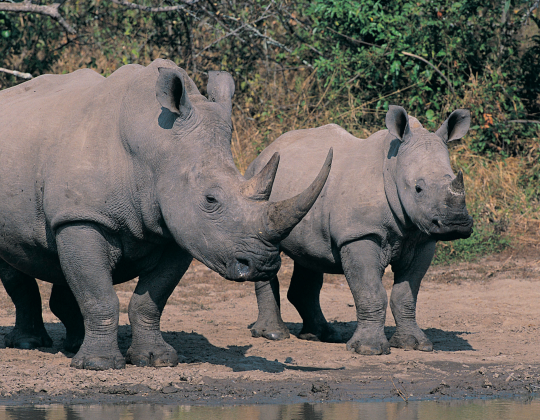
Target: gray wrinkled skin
x,y
388,200
108,179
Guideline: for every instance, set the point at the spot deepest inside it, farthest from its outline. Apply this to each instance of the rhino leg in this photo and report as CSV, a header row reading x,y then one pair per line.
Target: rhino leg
x,y
146,306
29,331
269,323
363,269
304,293
88,258
64,305
408,334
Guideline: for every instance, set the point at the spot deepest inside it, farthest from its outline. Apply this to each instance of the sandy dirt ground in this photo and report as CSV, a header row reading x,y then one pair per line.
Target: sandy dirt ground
x,y
482,317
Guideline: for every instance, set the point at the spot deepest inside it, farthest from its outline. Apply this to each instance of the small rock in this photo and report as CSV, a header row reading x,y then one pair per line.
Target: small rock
x,y
289,360
315,388
440,388
487,384
302,394
169,390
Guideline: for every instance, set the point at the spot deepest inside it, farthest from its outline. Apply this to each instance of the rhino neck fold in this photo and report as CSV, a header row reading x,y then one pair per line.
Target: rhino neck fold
x,y
391,147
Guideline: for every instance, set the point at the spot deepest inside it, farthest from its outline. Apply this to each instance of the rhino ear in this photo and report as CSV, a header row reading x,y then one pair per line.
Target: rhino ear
x,y
397,123
220,88
171,92
456,126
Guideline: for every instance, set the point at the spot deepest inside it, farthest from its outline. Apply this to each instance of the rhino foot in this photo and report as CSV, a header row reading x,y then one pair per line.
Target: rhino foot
x,y
410,342
163,356
27,341
270,332
368,344
98,362
326,334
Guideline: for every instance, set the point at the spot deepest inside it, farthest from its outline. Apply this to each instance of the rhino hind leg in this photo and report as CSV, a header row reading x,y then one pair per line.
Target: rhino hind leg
x,y
304,294
64,305
29,331
269,323
148,348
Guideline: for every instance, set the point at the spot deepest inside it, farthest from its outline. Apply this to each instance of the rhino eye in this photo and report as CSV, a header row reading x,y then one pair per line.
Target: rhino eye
x,y
210,199
418,189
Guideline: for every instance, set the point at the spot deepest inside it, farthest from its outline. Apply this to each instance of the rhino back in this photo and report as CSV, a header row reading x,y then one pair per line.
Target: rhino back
x,y
352,204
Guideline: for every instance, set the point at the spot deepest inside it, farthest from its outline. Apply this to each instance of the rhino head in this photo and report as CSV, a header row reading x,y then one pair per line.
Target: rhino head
x,y
207,206
432,197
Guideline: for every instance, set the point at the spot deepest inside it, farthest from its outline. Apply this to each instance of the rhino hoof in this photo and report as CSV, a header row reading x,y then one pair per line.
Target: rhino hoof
x,y
142,359
98,363
28,342
410,342
369,349
274,334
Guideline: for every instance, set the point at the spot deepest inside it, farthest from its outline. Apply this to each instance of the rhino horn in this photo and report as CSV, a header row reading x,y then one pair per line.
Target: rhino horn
x,y
282,216
457,187
260,186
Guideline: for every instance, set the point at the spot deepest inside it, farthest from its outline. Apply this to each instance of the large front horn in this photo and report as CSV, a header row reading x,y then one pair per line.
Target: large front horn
x,y
260,186
457,187
281,217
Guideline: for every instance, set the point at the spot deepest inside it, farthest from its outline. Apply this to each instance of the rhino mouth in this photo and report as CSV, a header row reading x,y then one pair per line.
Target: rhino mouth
x,y
448,230
242,269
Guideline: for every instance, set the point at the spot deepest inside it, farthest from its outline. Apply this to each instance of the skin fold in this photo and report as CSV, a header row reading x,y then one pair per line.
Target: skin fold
x,y
388,200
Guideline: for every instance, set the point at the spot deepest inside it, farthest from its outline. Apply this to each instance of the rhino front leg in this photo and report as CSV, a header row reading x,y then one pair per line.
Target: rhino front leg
x,y
304,293
269,323
408,334
146,306
29,331
363,269
88,257
64,305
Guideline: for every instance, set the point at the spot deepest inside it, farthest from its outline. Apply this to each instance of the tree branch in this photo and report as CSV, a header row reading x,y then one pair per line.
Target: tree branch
x,y
523,121
17,73
47,10
354,41
432,66
134,6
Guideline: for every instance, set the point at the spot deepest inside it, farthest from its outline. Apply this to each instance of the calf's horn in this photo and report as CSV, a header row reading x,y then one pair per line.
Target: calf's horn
x,y
457,187
281,217
260,186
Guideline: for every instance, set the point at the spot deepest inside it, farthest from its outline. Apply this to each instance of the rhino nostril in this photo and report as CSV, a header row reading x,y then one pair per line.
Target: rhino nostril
x,y
242,267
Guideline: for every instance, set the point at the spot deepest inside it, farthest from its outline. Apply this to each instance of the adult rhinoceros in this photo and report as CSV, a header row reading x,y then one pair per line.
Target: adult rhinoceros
x,y
106,179
388,200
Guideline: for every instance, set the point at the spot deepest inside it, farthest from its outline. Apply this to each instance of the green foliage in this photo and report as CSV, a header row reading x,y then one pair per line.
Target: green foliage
x,y
473,45
487,238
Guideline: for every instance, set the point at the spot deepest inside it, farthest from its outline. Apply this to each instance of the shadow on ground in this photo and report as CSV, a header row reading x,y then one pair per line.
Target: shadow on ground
x,y
191,347
442,340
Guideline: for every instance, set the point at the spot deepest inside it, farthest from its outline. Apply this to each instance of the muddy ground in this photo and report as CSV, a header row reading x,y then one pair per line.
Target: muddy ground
x,y
482,317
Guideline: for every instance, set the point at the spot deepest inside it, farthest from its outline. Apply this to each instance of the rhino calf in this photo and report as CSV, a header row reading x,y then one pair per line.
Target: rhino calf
x,y
389,199
106,179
